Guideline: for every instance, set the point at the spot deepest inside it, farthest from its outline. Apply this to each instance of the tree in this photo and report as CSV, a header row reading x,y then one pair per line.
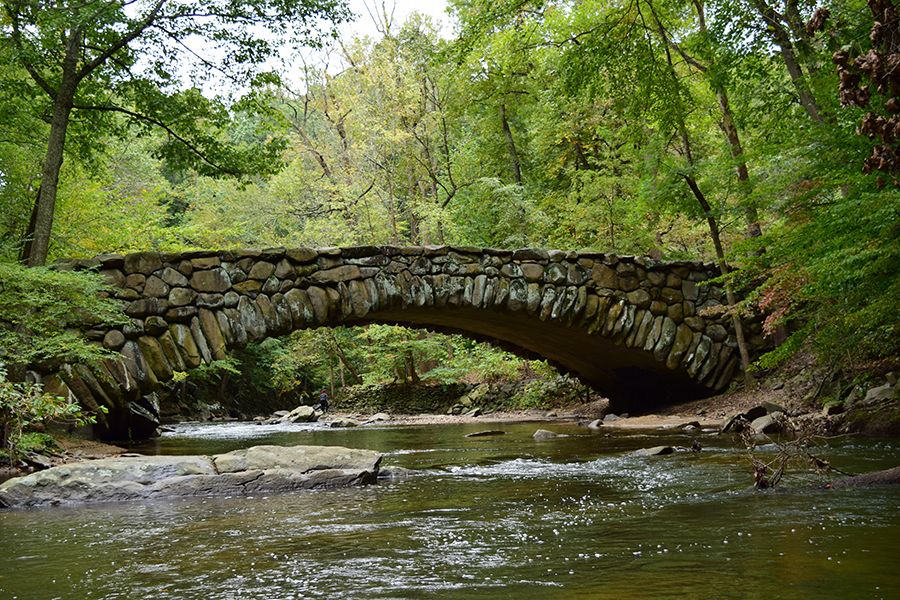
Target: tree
x,y
101,57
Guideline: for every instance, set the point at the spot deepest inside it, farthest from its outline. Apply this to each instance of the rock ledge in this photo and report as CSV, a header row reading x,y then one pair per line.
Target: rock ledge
x,y
260,469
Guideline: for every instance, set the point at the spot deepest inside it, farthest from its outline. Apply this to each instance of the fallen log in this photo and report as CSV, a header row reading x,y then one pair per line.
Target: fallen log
x,y
886,477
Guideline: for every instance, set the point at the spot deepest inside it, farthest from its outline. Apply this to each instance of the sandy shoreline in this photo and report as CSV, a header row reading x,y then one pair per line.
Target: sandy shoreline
x,y
652,421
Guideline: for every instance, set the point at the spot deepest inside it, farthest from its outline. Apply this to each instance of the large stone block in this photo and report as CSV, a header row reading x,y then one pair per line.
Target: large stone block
x,y
252,319
181,297
696,359
173,278
213,334
604,276
214,280
643,321
146,307
624,324
170,349
612,317
205,263
200,339
532,272
359,298
548,296
337,274
666,339
155,357
533,297
240,338
680,345
261,270
139,367
518,296
318,298
301,255
145,263
302,315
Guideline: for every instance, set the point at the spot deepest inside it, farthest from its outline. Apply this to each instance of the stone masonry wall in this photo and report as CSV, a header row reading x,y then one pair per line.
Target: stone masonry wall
x,y
194,307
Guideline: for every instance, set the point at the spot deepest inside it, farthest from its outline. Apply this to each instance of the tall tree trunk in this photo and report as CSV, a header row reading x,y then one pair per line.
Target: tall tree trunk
x,y
513,155
46,201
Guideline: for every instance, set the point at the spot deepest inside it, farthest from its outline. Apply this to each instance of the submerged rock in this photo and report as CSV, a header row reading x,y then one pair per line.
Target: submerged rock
x,y
486,433
655,451
261,469
542,434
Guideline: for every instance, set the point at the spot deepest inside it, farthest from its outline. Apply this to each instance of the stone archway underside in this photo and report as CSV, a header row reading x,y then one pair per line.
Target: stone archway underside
x,y
628,326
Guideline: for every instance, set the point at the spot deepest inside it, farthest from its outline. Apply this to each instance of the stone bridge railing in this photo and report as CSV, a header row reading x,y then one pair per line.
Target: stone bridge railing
x,y
628,326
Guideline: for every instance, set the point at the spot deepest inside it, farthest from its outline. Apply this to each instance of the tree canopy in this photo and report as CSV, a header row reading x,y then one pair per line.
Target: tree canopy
x,y
721,130
87,62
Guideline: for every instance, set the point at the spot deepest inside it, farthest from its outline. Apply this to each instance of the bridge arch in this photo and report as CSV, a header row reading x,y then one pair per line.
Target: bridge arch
x,y
628,326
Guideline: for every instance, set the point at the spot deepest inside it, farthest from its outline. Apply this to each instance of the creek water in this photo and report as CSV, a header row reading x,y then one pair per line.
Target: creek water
x,y
485,518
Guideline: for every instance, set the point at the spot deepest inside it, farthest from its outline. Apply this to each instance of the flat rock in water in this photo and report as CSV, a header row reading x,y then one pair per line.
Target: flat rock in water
x,y
655,451
344,422
543,434
486,433
261,469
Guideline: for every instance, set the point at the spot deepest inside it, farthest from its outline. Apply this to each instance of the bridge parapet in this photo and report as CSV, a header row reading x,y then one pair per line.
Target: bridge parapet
x,y
628,326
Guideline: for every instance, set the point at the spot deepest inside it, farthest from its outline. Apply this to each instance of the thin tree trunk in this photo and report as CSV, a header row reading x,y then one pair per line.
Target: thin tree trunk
x,y
737,153
513,155
331,371
346,362
724,269
783,39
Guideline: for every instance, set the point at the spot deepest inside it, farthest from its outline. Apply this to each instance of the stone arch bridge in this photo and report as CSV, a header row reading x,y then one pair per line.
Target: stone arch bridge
x,y
629,327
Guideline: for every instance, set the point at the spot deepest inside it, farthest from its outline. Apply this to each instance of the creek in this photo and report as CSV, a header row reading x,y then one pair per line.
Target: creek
x,y
486,518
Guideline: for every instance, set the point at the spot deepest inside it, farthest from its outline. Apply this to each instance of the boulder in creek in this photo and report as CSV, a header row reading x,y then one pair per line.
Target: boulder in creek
x,y
344,422
301,414
765,424
256,470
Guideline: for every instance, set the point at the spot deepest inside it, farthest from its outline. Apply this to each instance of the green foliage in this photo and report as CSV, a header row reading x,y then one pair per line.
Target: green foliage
x,y
22,404
38,442
44,314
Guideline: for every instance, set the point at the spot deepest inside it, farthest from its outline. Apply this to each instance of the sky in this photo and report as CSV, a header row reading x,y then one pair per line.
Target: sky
x,y
401,9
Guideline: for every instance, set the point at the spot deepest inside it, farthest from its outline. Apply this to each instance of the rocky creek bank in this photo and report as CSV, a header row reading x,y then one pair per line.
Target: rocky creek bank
x,y
256,470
